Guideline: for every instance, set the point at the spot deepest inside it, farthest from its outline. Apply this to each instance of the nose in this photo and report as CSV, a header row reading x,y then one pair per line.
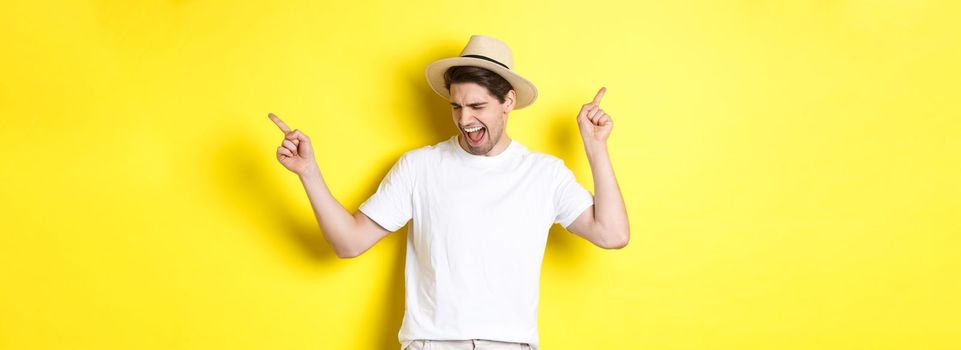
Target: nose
x,y
463,118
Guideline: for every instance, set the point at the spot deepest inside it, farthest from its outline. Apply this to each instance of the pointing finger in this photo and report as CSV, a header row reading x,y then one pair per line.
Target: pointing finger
x,y
600,94
280,123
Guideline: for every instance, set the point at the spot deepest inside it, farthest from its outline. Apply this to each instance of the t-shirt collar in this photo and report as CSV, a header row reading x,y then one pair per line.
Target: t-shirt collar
x,y
511,149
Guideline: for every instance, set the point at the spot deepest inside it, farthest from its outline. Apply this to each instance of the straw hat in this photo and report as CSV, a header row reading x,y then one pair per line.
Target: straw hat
x,y
485,52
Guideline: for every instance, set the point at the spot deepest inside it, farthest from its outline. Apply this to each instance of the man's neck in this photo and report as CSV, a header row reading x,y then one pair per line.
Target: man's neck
x,y
497,149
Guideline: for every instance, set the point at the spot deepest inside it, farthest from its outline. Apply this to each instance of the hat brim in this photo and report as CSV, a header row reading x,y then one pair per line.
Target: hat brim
x,y
525,90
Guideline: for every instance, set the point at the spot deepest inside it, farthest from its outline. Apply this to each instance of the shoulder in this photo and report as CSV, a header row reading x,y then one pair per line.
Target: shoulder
x,y
417,153
543,160
421,155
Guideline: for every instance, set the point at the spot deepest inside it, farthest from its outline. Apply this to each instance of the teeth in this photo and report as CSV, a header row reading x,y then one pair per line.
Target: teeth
x,y
473,129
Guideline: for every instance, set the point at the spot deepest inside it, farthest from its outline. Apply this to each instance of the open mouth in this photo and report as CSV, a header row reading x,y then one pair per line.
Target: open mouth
x,y
475,135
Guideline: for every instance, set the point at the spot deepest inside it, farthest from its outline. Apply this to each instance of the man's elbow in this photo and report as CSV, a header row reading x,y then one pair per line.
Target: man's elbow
x,y
350,246
618,240
346,251
345,254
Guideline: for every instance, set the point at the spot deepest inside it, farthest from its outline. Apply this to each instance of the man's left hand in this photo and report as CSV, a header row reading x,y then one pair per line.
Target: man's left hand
x,y
594,123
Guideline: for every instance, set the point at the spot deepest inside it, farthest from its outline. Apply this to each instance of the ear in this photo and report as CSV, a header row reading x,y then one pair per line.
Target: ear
x,y
509,101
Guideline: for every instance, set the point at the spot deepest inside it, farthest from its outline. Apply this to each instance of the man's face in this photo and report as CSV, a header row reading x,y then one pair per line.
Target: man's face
x,y
472,107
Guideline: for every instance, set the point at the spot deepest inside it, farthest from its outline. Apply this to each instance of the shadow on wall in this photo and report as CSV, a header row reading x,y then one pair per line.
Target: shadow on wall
x,y
246,185
435,113
256,197
562,126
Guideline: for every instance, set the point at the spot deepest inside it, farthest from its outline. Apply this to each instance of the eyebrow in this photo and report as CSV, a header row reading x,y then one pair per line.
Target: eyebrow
x,y
475,104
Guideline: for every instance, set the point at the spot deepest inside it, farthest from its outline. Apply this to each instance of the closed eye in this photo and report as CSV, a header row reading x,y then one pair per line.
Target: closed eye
x,y
474,106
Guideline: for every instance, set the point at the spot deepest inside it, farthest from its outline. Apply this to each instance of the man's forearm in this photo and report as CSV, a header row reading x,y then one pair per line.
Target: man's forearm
x,y
609,211
335,221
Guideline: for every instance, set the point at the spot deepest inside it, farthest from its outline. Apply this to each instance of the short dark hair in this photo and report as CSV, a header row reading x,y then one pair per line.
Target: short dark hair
x,y
496,85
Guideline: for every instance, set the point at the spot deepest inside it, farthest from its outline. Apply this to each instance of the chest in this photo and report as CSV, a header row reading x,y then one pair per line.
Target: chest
x,y
496,198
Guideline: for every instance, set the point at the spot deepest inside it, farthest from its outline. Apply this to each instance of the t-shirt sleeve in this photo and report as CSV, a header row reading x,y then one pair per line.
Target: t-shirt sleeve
x,y
390,206
570,198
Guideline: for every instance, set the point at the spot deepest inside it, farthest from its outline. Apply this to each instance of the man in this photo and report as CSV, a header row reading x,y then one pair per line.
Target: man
x,y
481,203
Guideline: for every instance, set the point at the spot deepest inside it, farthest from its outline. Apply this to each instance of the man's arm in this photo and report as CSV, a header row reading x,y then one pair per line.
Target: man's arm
x,y
349,235
605,223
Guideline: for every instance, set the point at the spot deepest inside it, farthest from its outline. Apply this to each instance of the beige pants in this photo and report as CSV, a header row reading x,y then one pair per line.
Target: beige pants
x,y
472,344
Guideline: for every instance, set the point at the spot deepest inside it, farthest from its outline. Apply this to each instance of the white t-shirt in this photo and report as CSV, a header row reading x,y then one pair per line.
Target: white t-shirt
x,y
475,248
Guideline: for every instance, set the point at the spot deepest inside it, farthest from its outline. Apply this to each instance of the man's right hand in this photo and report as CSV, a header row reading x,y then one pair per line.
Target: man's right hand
x,y
295,152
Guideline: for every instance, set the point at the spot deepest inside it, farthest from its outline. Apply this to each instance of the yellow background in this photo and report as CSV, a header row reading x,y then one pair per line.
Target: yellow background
x,y
791,169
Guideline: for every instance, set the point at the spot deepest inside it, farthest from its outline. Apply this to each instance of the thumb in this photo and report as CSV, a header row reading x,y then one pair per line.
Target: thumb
x,y
583,120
